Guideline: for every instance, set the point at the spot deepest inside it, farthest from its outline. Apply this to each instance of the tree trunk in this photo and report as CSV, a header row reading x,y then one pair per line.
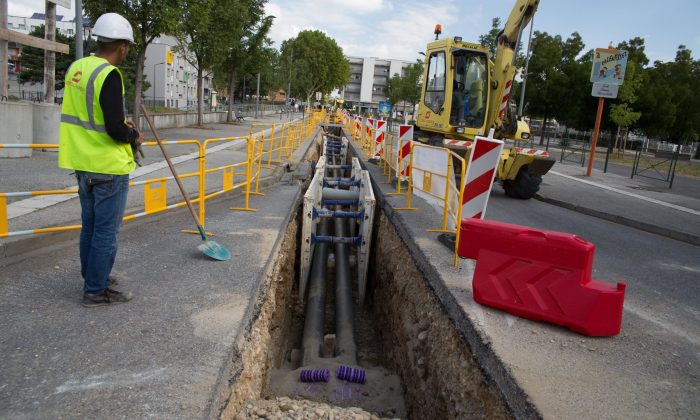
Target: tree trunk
x,y
200,93
543,130
138,87
231,92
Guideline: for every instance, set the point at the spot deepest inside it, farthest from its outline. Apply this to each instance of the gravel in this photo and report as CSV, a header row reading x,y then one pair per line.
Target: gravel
x,y
300,409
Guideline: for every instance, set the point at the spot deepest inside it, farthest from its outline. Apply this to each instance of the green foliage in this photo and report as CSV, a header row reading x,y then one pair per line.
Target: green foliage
x,y
490,39
315,62
659,101
149,19
669,102
204,34
407,87
33,60
248,50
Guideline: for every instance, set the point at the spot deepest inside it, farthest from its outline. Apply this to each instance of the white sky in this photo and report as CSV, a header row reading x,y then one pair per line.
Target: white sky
x,y
398,29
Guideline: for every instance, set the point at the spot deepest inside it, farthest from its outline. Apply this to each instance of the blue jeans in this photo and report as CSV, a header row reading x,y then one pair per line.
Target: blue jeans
x,y
102,202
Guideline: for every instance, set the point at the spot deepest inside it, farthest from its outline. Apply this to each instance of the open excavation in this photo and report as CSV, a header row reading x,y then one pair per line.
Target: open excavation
x,y
349,328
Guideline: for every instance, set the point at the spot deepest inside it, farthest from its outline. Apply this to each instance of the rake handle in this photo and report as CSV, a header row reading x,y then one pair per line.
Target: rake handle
x,y
172,169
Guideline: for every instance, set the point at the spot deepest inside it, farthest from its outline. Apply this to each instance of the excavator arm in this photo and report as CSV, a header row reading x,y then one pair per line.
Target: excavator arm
x,y
503,70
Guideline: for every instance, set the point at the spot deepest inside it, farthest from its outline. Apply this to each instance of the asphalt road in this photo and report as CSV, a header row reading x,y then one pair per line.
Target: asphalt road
x,y
663,292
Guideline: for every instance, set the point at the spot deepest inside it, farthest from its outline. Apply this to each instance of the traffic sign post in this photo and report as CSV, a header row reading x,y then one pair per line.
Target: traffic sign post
x,y
609,66
607,74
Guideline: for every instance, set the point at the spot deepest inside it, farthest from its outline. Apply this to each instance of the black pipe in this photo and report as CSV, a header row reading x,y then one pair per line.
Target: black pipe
x,y
312,341
344,317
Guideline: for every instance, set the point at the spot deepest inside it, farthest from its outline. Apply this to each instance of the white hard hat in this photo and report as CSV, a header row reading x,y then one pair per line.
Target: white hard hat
x,y
113,26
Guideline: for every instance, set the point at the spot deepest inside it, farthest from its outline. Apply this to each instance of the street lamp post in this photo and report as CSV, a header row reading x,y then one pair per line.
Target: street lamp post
x,y
527,62
289,85
154,82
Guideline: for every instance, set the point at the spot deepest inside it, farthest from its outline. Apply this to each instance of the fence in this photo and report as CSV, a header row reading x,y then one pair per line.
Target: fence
x,y
654,165
155,190
428,170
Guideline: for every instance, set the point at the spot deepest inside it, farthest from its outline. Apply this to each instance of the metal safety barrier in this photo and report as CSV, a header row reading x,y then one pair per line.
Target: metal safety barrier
x,y
660,166
449,196
398,158
155,190
399,168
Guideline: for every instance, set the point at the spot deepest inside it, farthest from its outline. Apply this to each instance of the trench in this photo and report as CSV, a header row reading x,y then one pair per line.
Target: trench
x,y
416,363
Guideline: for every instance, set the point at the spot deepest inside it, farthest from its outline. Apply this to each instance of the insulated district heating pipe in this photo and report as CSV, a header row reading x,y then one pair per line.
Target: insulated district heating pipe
x,y
344,324
312,340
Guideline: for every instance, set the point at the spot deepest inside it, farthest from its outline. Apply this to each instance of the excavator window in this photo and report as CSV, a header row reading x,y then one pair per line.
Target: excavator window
x,y
469,88
435,88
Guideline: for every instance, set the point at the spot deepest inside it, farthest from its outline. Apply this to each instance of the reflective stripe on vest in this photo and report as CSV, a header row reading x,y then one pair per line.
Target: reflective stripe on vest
x,y
84,142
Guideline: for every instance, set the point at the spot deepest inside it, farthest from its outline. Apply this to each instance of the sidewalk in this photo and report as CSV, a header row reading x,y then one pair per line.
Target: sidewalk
x,y
167,354
40,172
664,212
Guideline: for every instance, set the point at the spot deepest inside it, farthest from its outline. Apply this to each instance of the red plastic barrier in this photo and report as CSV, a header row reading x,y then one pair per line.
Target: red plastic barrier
x,y
540,275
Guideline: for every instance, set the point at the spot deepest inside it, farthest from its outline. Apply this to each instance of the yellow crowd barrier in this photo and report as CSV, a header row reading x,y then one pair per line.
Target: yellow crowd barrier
x,y
392,165
449,195
155,190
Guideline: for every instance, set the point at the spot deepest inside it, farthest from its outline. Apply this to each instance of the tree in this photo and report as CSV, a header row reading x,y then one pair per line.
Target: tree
x,y
149,19
490,39
245,45
203,36
669,102
622,112
33,60
557,83
406,88
317,64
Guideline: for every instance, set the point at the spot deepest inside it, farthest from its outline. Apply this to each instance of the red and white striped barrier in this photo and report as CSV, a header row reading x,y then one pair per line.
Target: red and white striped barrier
x,y
504,101
457,143
404,155
358,127
369,128
481,170
379,134
533,152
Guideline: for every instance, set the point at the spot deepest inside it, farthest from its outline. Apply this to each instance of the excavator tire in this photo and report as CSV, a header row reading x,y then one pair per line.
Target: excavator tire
x,y
524,186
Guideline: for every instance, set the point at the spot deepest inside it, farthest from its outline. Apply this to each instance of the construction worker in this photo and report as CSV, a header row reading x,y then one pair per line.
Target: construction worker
x,y
96,142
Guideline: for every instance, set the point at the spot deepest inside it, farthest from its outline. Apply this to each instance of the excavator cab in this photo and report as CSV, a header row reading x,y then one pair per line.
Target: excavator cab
x,y
455,97
466,93
469,89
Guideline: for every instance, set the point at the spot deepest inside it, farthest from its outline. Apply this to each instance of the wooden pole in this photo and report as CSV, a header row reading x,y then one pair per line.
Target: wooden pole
x,y
594,141
3,51
50,56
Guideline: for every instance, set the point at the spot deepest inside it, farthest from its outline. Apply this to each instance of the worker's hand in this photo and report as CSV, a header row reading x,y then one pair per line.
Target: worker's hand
x,y
139,139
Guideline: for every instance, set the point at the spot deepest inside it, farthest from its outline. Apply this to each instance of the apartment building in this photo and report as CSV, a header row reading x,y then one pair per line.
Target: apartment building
x,y
368,79
173,79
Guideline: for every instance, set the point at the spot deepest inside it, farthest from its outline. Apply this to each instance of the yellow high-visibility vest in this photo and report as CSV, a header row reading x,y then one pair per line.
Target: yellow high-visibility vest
x,y
84,142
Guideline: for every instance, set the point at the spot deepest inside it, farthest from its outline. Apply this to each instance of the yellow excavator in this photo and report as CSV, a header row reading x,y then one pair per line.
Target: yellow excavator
x,y
466,94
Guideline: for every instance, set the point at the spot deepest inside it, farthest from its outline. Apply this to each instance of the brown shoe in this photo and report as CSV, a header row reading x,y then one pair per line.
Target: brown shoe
x,y
108,297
